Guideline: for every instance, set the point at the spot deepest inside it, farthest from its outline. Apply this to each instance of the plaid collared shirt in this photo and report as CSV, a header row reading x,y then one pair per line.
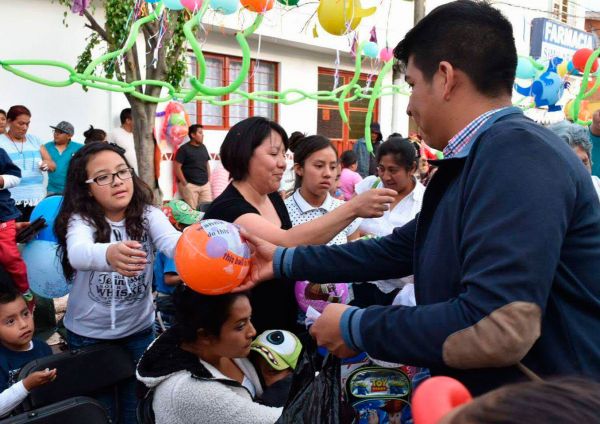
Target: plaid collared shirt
x,y
463,138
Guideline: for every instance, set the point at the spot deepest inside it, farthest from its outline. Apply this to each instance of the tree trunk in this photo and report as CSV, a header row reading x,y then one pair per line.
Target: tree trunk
x,y
143,134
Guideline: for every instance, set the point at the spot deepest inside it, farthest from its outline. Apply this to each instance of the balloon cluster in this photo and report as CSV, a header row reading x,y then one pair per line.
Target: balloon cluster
x,y
175,125
548,80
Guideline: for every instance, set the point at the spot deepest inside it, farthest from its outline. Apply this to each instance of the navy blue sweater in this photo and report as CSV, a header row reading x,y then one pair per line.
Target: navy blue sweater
x,y
506,255
8,209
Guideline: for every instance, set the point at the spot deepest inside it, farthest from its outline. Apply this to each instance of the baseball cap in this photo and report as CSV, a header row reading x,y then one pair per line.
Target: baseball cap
x,y
65,127
280,348
180,212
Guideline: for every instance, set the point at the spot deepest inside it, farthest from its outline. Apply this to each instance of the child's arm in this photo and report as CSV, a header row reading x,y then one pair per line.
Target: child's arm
x,y
15,394
10,174
85,254
163,235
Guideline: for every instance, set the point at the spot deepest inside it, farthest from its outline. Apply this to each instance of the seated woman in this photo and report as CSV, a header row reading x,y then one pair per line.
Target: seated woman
x,y
254,154
198,367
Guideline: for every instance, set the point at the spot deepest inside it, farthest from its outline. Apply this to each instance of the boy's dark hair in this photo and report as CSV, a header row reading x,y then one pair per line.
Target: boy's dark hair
x,y
193,128
472,36
8,289
3,112
241,141
567,400
348,158
126,114
94,134
78,201
303,146
195,311
402,149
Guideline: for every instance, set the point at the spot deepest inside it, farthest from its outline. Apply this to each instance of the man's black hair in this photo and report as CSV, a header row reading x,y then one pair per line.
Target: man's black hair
x,y
126,114
472,36
193,128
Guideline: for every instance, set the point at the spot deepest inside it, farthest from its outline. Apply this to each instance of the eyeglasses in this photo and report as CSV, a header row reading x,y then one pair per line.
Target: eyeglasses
x,y
59,132
107,179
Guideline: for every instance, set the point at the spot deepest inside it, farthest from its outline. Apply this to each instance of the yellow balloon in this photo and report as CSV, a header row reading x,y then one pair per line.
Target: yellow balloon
x,y
562,69
340,16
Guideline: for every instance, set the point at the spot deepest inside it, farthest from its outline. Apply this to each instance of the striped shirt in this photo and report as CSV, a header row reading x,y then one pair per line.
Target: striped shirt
x,y
464,137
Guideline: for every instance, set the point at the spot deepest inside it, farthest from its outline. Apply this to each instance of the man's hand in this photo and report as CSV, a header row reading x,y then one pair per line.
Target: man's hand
x,y
127,258
326,331
372,203
39,378
595,127
261,268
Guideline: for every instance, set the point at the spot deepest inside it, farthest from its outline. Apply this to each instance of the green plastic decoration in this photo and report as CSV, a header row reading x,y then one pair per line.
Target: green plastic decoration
x,y
584,93
199,91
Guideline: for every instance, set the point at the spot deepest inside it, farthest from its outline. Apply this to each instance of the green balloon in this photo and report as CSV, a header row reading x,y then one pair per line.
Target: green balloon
x,y
289,2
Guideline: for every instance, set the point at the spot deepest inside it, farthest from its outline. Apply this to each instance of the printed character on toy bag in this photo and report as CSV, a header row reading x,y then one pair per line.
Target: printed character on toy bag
x,y
378,394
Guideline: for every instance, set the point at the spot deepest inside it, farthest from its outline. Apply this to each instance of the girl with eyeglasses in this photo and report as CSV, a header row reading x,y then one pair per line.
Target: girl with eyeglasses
x,y
107,231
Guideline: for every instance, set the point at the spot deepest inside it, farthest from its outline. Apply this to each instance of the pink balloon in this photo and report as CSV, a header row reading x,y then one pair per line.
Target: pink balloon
x,y
385,55
192,5
338,291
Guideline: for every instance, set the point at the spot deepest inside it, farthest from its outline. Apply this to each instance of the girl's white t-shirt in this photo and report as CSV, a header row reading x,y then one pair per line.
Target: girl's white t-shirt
x,y
103,304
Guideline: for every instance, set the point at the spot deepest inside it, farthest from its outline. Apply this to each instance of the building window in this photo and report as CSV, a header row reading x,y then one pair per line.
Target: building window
x,y
329,121
560,10
221,71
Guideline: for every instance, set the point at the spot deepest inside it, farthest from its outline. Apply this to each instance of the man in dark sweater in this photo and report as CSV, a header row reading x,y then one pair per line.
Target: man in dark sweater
x,y
506,250
192,169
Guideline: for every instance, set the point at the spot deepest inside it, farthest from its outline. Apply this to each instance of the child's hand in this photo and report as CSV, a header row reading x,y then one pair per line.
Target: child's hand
x,y
127,258
39,378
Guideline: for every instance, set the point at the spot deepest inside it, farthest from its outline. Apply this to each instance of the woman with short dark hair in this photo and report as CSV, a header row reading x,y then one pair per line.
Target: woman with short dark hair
x,y
254,154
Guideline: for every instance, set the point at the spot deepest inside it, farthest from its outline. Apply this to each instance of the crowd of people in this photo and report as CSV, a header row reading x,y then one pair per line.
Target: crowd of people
x,y
481,266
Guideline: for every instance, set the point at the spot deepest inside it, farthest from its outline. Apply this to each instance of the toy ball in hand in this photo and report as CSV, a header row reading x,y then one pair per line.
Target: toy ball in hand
x,y
211,257
320,295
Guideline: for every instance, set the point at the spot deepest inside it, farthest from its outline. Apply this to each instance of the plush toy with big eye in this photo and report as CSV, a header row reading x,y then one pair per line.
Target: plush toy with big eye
x,y
280,348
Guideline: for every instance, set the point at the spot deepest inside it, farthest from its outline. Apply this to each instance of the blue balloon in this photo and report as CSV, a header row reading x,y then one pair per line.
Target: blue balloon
x,y
173,4
226,7
152,1
47,209
371,49
525,68
44,270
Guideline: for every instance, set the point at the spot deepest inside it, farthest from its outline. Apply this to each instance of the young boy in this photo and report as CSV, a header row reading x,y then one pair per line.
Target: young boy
x,y
275,355
17,348
10,259
166,279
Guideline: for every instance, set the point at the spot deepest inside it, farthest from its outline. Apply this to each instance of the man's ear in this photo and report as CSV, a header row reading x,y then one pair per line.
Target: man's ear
x,y
449,75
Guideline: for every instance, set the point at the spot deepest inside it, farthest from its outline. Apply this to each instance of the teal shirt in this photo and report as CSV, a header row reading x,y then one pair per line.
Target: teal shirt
x,y
595,139
56,179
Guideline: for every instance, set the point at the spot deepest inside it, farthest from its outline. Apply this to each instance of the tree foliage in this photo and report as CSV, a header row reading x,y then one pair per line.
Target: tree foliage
x,y
163,60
